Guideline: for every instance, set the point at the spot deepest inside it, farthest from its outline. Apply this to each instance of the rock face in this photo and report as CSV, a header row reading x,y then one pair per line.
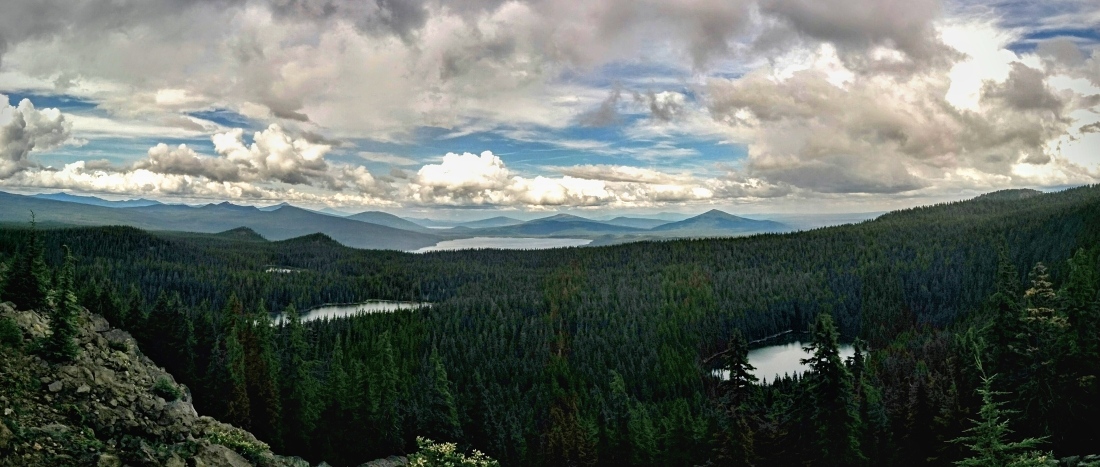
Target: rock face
x,y
100,408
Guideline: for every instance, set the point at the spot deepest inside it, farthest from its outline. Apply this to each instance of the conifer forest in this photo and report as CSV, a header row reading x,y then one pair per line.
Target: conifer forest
x,y
975,327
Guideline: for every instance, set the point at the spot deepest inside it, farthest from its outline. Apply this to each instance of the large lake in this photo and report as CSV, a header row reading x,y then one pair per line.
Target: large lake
x,y
373,306
782,359
505,243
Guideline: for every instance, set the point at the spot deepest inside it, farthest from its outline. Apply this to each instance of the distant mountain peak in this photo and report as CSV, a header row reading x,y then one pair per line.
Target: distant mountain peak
x,y
563,217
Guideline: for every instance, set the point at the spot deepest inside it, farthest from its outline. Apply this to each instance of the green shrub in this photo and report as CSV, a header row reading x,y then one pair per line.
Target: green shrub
x,y
10,335
165,389
120,346
237,440
433,454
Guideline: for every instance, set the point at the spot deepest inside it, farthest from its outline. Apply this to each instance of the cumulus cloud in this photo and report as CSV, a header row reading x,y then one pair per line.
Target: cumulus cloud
x,y
886,133
183,160
469,179
275,155
857,26
24,129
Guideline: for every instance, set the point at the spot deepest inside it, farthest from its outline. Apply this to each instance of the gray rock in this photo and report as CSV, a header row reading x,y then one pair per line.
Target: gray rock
x,y
83,389
216,455
55,386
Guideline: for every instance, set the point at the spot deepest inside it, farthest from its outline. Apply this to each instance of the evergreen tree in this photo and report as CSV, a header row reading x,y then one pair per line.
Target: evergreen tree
x,y
261,366
834,415
238,409
299,390
1044,333
60,345
735,434
384,403
442,413
987,438
26,282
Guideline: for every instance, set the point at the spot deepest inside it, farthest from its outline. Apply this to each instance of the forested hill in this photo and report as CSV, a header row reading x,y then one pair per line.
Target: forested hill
x,y
601,355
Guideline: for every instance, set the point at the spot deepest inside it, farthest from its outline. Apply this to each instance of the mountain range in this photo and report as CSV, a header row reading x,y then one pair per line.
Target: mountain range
x,y
368,229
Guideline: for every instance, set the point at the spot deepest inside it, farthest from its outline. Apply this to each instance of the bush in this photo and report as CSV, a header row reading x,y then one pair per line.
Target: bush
x,y
165,389
120,346
237,440
10,335
433,454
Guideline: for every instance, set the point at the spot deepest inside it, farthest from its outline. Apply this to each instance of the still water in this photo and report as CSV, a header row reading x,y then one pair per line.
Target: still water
x,y
372,306
504,243
781,359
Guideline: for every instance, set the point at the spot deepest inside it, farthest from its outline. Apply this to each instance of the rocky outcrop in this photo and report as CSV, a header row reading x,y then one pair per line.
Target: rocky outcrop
x,y
101,409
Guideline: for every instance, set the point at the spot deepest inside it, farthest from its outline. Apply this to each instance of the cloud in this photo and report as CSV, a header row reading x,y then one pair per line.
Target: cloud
x,y
617,173
888,133
387,158
663,106
858,26
275,155
24,129
484,180
607,114
182,160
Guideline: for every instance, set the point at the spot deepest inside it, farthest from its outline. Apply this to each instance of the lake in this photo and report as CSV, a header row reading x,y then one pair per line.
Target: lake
x,y
372,306
504,243
782,359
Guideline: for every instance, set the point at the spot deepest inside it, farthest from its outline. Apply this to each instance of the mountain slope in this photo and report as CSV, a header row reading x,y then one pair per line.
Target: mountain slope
x,y
280,224
715,222
388,220
94,201
560,225
110,406
636,222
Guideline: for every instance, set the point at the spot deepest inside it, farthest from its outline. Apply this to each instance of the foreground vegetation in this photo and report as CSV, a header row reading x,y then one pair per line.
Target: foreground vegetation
x,y
605,355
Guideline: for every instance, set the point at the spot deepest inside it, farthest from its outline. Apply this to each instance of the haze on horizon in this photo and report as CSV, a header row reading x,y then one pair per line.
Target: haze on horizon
x,y
467,109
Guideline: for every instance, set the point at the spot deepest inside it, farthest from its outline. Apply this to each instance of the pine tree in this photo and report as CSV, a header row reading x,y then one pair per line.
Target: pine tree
x,y
384,408
26,282
835,417
261,366
299,392
1045,331
442,417
735,435
238,409
60,345
987,438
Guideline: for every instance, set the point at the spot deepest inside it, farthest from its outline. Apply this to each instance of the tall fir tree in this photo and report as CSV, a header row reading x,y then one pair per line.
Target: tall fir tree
x,y
735,434
299,391
987,439
261,365
64,311
26,284
442,413
835,416
238,408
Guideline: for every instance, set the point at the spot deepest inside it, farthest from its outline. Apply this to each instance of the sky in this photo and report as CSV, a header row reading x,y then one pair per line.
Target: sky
x,y
465,108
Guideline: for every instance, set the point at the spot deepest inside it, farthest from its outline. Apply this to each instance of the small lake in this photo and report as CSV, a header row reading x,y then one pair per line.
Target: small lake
x,y
372,306
504,243
782,359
